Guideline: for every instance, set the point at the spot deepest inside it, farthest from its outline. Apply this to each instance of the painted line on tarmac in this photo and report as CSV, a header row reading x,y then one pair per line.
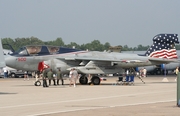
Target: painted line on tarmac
x,y
82,109
88,99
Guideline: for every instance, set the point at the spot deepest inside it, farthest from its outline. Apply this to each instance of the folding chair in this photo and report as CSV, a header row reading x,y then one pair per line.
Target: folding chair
x,y
119,81
126,82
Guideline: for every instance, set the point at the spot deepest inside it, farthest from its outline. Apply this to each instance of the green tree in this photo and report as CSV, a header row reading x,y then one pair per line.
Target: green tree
x,y
125,48
93,46
106,46
96,46
57,42
7,41
73,45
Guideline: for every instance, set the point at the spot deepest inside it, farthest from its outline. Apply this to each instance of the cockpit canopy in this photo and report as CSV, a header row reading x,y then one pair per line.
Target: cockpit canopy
x,y
43,50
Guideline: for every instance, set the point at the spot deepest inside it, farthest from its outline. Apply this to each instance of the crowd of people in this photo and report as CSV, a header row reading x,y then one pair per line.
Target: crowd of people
x,y
143,72
73,76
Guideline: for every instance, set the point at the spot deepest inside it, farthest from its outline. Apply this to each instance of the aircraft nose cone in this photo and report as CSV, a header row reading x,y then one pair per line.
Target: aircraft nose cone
x,y
10,61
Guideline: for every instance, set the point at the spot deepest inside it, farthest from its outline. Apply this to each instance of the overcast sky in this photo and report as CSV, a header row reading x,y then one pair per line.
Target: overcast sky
x,y
119,22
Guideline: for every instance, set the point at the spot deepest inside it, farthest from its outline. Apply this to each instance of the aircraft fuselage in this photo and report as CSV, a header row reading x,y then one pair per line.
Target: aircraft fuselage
x,y
55,61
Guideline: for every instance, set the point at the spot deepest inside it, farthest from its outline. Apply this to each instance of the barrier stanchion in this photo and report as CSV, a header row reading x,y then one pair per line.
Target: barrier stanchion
x,y
178,89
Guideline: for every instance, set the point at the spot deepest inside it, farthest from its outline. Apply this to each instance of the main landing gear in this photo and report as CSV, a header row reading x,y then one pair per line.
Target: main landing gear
x,y
95,80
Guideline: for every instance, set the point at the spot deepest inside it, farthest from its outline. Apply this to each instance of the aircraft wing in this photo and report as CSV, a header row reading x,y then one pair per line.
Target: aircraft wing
x,y
92,59
159,60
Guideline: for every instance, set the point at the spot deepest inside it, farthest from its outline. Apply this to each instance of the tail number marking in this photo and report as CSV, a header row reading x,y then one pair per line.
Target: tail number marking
x,y
22,59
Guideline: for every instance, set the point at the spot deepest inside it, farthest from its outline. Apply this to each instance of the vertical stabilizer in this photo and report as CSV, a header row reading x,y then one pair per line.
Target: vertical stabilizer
x,y
163,46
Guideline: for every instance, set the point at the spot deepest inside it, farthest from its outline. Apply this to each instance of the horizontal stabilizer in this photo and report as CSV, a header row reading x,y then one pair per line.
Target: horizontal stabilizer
x,y
163,60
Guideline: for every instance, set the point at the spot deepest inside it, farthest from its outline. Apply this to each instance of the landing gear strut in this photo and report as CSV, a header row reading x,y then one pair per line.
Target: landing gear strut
x,y
37,82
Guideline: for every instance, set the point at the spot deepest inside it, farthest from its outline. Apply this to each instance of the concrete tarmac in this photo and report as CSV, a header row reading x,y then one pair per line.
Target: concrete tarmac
x,y
156,97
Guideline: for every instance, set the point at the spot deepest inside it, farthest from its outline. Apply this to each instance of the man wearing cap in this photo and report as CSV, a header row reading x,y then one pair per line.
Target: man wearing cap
x,y
74,76
44,76
50,77
59,77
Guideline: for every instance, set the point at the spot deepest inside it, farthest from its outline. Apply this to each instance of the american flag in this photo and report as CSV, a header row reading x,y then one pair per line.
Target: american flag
x,y
163,46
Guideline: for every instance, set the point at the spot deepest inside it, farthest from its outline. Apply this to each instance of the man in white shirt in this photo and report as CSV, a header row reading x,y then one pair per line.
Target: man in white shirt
x,y
5,72
144,72
70,77
74,76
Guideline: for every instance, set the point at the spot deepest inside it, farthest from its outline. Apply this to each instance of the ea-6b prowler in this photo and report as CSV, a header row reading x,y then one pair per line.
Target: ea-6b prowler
x,y
38,57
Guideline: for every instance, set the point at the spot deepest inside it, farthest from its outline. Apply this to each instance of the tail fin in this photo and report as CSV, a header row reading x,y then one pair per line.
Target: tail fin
x,y
11,48
163,46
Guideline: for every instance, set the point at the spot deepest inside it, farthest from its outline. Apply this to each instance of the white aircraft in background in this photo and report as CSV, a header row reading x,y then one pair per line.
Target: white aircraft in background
x,y
2,61
162,69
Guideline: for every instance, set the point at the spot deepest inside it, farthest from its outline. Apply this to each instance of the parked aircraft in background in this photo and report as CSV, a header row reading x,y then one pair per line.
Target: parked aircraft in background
x,y
39,57
9,70
7,52
2,61
162,69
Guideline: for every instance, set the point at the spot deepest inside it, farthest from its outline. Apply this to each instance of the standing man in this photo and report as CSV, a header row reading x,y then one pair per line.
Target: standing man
x,y
5,72
144,72
176,72
127,75
44,76
50,77
141,72
74,76
70,77
26,75
59,77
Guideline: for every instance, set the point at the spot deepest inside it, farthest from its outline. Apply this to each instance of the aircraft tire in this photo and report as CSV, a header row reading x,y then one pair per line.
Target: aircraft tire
x,y
96,80
152,73
37,83
13,75
83,80
158,72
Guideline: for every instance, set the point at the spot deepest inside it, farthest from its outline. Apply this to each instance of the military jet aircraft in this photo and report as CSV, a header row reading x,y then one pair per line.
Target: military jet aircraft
x,y
39,57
